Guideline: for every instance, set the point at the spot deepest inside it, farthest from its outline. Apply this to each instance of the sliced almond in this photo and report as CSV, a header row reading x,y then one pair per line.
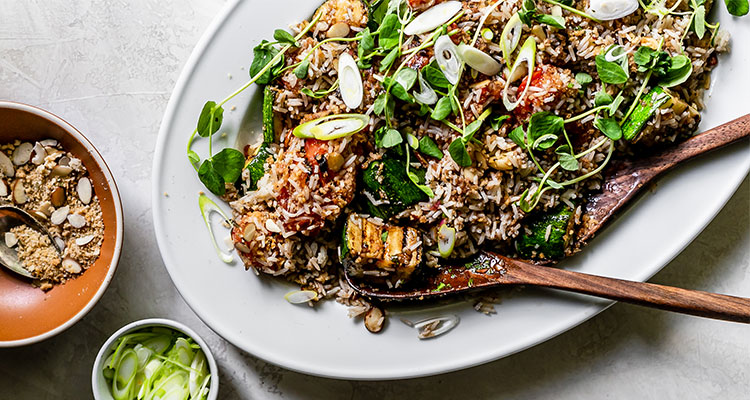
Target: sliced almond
x,y
49,142
338,30
241,247
6,166
84,190
374,320
77,221
58,197
271,226
71,266
84,240
38,154
3,188
22,153
59,215
39,214
60,243
11,239
61,170
19,193
47,208
64,161
249,232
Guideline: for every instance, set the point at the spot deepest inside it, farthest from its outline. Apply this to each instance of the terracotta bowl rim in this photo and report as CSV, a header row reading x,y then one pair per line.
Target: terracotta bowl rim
x,y
96,371
115,193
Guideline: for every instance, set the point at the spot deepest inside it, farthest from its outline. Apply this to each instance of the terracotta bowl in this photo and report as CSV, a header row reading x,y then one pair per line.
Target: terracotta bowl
x,y
27,314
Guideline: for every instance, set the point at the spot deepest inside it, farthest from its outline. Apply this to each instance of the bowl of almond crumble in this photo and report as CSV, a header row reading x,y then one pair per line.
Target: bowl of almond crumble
x,y
49,170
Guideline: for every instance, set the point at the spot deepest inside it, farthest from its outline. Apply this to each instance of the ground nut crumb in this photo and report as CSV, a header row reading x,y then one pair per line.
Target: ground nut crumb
x,y
60,172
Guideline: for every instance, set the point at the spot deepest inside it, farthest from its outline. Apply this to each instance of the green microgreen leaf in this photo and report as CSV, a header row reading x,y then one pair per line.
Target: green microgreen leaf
x,y
434,76
584,79
211,178
602,98
391,138
609,71
544,123
544,142
428,147
210,119
389,32
193,157
678,72
699,21
551,20
497,121
285,37
262,55
518,136
379,105
406,78
229,163
458,152
301,71
615,105
737,8
442,109
389,59
609,127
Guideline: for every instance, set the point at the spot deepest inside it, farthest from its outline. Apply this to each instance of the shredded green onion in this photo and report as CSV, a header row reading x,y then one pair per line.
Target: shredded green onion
x,y
136,369
207,206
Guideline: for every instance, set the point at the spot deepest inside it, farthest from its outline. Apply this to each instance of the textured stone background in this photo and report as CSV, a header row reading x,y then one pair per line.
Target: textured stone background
x,y
109,67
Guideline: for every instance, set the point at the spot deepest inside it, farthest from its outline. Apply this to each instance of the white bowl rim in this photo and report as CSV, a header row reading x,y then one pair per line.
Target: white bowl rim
x,y
70,129
172,324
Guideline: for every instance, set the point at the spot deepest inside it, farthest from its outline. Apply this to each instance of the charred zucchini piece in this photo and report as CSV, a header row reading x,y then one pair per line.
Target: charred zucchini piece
x,y
257,166
370,245
386,182
268,132
547,235
643,112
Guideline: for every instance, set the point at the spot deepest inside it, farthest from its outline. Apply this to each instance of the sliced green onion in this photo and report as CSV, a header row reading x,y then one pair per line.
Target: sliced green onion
x,y
125,371
510,37
412,140
432,18
180,373
301,296
446,55
350,80
332,127
426,94
607,10
479,60
207,206
487,34
446,240
527,55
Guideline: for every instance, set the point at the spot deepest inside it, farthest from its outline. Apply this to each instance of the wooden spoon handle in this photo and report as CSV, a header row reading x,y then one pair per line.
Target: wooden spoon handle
x,y
693,302
709,140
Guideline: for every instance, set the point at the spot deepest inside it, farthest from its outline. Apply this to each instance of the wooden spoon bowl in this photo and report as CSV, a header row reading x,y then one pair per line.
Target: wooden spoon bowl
x,y
27,314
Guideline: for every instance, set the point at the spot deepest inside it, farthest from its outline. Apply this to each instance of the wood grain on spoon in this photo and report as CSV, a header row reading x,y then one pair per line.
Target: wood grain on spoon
x,y
493,270
626,178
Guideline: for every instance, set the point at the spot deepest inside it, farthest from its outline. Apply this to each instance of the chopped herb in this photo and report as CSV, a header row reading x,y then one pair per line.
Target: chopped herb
x,y
602,98
609,71
384,236
228,163
263,54
497,121
301,71
518,136
457,150
435,76
442,109
609,127
428,147
391,138
210,119
285,37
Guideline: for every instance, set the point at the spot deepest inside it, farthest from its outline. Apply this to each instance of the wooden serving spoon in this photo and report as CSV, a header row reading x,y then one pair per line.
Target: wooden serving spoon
x,y
622,181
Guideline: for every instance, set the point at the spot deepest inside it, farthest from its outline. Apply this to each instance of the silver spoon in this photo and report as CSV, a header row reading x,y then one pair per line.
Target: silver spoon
x,y
10,217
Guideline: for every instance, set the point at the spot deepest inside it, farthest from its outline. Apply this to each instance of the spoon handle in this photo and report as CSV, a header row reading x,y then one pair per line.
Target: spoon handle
x,y
693,302
709,140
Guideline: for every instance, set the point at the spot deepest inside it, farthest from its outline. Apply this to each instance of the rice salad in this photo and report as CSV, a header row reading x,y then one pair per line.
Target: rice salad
x,y
399,133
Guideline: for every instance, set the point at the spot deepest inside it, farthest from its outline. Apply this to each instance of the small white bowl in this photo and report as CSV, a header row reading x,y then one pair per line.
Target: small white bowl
x,y
99,384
